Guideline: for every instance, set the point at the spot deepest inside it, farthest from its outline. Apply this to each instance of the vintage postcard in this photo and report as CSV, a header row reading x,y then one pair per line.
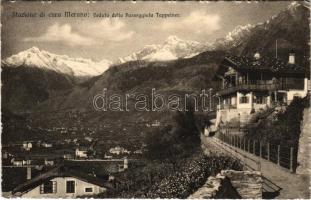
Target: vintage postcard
x,y
155,99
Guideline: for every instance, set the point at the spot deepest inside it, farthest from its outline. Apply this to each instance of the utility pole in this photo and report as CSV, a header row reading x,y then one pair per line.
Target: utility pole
x,y
210,99
276,48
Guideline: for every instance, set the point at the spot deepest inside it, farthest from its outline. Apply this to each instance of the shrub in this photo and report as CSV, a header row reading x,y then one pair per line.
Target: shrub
x,y
191,177
285,129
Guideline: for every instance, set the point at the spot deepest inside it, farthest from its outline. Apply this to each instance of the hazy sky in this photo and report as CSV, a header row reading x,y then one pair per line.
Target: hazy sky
x,y
110,38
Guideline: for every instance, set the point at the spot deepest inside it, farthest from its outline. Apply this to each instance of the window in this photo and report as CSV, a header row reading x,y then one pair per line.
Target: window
x,y
48,187
121,167
261,100
244,99
89,189
70,186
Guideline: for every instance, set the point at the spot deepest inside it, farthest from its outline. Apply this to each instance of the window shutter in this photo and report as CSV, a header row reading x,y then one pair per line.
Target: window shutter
x,y
54,187
41,188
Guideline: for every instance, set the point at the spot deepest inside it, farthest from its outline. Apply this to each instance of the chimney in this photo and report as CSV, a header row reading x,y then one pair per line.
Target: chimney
x,y
28,173
291,58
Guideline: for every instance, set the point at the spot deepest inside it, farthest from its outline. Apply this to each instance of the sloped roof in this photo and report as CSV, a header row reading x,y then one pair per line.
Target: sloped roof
x,y
61,171
264,64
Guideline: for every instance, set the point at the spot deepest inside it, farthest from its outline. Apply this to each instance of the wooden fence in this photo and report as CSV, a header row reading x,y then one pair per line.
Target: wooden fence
x,y
282,155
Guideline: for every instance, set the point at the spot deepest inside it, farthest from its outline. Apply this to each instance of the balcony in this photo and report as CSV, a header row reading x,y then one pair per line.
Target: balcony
x,y
262,85
249,87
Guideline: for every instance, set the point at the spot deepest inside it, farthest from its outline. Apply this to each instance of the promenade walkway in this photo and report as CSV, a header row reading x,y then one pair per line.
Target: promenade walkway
x,y
278,182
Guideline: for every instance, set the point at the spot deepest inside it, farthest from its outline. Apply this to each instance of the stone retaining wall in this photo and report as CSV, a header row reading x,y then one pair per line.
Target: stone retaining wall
x,y
247,183
304,163
231,184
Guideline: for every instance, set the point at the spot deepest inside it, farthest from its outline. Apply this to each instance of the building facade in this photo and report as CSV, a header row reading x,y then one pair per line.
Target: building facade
x,y
62,182
249,85
81,152
64,187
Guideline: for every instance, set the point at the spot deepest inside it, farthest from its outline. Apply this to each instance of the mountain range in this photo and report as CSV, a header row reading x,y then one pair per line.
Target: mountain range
x,y
173,48
38,79
78,68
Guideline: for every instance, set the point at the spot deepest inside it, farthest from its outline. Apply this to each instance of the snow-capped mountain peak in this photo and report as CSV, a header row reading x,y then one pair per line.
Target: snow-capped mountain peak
x,y
238,31
76,67
234,38
172,40
172,48
34,49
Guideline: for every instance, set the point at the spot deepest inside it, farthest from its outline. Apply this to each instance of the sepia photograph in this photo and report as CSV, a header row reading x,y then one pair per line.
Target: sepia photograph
x,y
155,99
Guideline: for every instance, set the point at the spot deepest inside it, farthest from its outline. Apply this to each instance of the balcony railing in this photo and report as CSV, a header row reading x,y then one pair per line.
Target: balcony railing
x,y
261,85
249,87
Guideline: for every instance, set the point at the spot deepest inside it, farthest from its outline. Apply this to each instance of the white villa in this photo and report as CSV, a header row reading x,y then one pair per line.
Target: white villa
x,y
27,145
81,152
253,84
61,183
46,145
20,162
119,150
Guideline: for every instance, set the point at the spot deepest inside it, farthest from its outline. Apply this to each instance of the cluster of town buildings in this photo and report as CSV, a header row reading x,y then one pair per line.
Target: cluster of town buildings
x,y
83,152
60,179
33,156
